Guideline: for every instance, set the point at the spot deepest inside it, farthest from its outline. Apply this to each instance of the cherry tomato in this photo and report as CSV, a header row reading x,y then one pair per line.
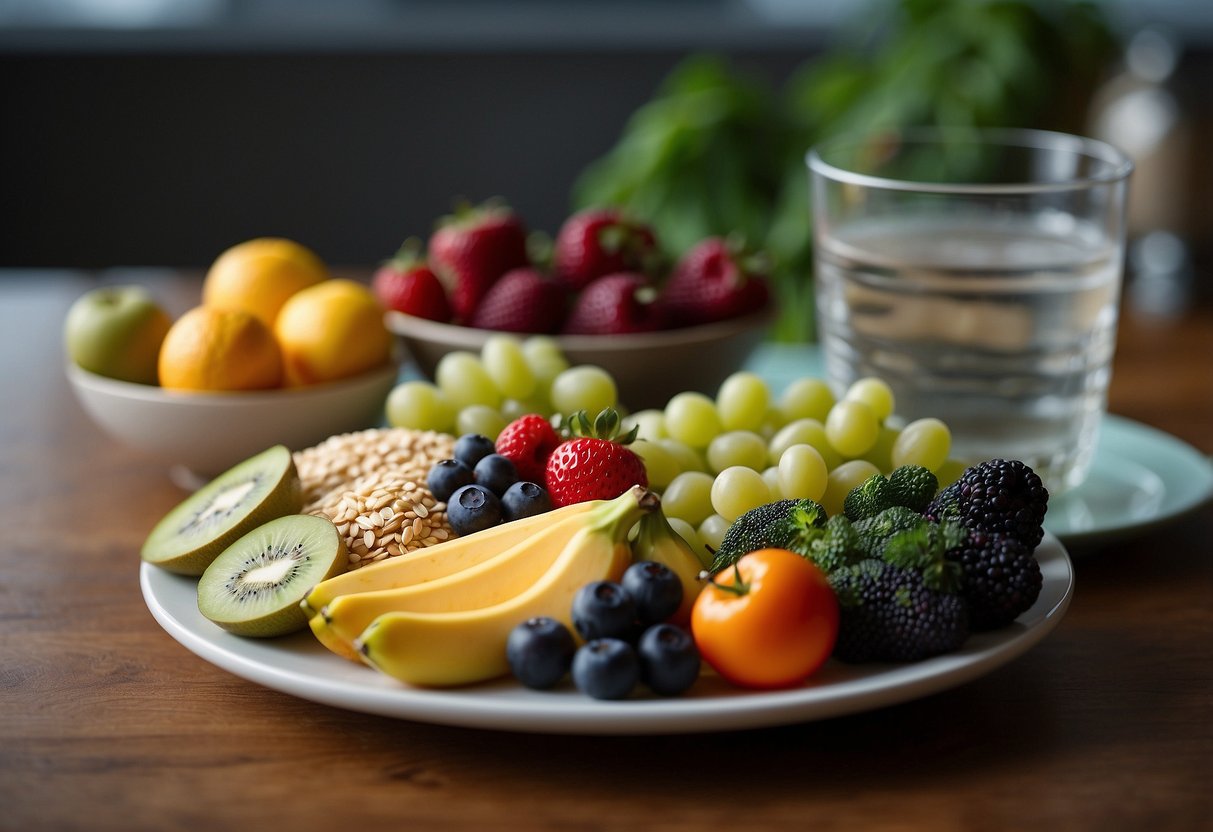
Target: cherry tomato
x,y
769,622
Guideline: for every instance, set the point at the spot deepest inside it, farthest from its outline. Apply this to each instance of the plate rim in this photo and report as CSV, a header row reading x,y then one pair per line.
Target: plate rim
x,y
505,705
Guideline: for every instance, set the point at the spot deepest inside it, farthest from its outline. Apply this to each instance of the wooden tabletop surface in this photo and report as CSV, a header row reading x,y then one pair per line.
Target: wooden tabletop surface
x,y
107,723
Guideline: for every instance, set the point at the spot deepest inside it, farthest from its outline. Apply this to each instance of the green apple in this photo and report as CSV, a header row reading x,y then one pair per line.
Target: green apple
x,y
116,331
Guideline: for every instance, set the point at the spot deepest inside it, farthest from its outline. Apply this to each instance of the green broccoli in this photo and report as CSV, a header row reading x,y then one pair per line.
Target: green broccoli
x,y
773,525
912,486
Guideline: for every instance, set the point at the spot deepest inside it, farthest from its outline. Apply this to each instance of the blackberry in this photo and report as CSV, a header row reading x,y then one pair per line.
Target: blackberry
x,y
1000,578
888,614
996,497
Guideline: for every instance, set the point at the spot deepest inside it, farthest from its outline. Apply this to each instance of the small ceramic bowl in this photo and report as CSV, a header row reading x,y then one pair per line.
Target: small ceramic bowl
x,y
648,367
207,433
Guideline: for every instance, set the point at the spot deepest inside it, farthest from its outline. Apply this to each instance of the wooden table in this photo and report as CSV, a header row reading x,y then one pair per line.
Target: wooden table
x,y
107,723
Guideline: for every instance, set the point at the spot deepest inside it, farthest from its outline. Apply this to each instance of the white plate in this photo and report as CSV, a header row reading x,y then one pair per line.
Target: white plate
x,y
300,666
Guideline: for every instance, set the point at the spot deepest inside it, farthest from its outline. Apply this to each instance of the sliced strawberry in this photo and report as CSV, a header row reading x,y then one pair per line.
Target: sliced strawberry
x,y
407,284
595,465
527,442
601,241
713,281
615,304
471,250
523,300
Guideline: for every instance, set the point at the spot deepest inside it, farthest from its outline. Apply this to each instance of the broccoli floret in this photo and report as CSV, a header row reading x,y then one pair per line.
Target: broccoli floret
x,y
912,486
773,525
889,613
874,532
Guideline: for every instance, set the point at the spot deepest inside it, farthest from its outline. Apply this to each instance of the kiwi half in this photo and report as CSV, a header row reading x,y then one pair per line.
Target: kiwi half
x,y
240,499
255,585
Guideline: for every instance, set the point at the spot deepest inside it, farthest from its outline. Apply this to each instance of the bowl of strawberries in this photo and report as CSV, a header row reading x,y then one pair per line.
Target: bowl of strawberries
x,y
602,287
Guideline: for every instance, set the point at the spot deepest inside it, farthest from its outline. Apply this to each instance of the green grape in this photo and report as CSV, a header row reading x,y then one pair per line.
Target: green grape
x,y
651,424
924,442
771,477
688,497
687,532
480,418
419,405
506,364
852,428
742,402
659,464
545,358
803,432
688,458
464,381
736,490
881,454
949,472
875,394
712,531
802,473
584,387
737,447
691,418
840,482
806,398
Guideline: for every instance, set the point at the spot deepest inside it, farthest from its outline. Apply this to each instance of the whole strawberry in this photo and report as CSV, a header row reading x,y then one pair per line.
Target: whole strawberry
x,y
527,442
713,281
601,241
595,464
523,300
407,284
471,250
615,304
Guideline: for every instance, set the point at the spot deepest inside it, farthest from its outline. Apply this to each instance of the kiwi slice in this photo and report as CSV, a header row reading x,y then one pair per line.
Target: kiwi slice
x,y
238,500
255,585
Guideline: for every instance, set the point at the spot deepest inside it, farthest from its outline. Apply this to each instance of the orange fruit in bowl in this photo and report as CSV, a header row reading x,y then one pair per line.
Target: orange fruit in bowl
x,y
219,349
330,331
259,275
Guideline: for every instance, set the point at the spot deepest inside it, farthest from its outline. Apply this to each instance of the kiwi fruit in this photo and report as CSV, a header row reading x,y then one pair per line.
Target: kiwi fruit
x,y
240,499
255,585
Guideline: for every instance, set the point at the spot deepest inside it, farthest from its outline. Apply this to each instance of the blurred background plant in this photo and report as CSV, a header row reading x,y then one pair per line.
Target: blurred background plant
x,y
719,151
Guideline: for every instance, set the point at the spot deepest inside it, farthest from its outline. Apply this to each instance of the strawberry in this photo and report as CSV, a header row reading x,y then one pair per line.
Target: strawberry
x,y
614,304
527,442
713,281
474,248
600,241
594,465
523,300
407,284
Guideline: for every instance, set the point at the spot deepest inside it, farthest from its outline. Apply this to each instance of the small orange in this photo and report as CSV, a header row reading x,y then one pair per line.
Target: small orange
x,y
219,349
259,275
330,331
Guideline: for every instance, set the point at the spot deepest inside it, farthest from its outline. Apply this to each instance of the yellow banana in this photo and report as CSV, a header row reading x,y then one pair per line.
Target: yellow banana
x,y
495,580
437,561
657,541
458,648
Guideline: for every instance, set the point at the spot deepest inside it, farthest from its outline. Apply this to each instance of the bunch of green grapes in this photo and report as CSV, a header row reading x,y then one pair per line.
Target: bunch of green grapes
x,y
482,393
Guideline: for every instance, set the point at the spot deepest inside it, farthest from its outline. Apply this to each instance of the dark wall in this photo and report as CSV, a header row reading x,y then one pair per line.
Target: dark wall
x,y
139,159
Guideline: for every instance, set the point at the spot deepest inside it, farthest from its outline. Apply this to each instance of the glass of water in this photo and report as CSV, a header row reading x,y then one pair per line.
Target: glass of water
x,y
977,272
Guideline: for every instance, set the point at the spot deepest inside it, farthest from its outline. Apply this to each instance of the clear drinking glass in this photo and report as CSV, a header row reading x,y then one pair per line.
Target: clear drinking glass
x,y
978,272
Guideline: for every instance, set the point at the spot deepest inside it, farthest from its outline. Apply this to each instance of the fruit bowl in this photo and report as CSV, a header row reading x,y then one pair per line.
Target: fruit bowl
x,y
203,434
648,367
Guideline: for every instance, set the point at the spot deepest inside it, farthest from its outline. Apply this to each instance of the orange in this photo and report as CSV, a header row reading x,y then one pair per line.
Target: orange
x,y
219,349
330,331
259,275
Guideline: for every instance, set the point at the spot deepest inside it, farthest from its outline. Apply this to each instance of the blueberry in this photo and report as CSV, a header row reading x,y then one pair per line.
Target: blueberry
x,y
473,508
655,589
606,668
669,660
446,477
540,651
603,609
496,473
524,499
472,447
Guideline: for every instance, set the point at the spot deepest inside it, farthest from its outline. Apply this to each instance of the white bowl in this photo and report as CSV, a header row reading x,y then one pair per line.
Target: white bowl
x,y
648,367
207,433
